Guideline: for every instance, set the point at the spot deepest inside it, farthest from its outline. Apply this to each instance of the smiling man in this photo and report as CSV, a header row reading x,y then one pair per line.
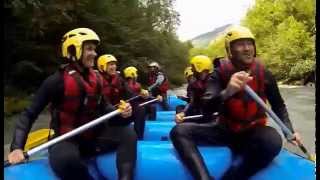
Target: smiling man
x,y
242,123
74,93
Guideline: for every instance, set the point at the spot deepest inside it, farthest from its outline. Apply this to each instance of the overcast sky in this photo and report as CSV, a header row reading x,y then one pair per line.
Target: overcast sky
x,y
201,16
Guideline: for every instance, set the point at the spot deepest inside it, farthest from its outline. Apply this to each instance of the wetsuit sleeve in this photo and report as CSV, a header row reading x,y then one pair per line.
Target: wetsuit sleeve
x,y
48,92
159,80
275,99
212,99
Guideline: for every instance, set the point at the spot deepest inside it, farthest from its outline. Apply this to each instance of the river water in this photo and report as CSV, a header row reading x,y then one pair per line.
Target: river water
x,y
300,101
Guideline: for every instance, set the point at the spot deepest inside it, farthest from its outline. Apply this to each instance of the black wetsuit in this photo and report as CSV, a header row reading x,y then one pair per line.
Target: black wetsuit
x,y
249,144
67,157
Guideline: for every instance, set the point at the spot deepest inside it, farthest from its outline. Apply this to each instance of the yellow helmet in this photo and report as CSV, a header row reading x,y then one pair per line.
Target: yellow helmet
x,y
130,72
235,33
188,72
201,63
75,38
103,60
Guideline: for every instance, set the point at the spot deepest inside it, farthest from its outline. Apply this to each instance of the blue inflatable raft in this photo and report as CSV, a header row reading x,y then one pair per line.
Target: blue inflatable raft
x,y
158,160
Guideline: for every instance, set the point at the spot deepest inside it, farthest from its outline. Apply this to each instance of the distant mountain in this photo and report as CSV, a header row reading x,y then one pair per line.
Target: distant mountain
x,y
204,39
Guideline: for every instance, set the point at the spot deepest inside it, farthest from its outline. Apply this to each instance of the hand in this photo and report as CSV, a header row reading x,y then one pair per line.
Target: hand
x,y
126,109
160,98
16,156
297,139
144,94
179,117
237,82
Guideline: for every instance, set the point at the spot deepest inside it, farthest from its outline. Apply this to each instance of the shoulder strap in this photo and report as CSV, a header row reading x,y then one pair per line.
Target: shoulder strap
x,y
99,86
83,93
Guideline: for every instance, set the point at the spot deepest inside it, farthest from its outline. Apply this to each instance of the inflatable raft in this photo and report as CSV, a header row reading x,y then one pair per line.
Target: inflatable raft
x,y
158,160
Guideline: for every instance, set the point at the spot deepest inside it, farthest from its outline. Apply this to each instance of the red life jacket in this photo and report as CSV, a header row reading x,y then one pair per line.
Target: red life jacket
x,y
112,88
134,86
163,88
80,101
240,110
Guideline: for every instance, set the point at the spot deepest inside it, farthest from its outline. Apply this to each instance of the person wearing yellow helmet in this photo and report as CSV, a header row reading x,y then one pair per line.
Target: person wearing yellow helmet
x,y
115,88
74,93
201,68
188,74
242,122
131,75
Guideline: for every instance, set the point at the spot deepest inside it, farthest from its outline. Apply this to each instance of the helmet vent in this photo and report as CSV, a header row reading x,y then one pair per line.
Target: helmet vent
x,y
82,33
71,35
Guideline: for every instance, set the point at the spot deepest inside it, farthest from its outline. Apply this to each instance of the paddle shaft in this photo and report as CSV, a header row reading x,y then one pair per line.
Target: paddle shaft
x,y
74,132
130,99
148,102
69,134
275,118
192,117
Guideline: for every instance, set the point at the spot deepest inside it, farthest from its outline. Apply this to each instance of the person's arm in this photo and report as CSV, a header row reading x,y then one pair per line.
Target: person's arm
x,y
159,81
47,92
214,96
275,99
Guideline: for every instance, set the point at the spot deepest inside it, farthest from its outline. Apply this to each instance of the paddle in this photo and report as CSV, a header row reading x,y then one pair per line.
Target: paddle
x,y
277,120
159,98
197,116
40,136
130,99
193,117
73,132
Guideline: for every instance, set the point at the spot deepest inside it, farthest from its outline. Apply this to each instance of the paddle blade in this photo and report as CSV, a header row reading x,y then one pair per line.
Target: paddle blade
x,y
312,157
38,137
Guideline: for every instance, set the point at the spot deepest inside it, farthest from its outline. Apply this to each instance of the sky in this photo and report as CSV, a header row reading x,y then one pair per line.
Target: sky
x,y
201,16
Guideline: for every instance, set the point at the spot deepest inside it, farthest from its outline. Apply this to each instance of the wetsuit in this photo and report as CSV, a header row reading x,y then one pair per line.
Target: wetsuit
x,y
158,85
67,157
140,113
249,143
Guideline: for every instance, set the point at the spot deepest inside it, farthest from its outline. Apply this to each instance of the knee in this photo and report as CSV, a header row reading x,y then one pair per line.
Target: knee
x,y
62,157
270,141
178,131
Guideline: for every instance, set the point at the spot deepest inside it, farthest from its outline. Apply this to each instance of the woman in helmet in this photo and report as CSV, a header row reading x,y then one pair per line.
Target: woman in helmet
x,y
131,75
75,95
242,123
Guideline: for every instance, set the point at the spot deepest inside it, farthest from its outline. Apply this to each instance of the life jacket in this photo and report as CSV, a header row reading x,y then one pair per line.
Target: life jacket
x,y
112,88
241,111
80,101
134,86
163,88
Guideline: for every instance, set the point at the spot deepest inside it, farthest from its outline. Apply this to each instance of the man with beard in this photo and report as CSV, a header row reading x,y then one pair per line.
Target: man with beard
x,y
242,123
